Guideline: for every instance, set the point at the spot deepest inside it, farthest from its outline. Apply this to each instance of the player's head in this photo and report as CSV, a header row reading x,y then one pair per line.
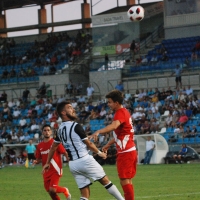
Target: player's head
x,y
115,99
46,131
66,111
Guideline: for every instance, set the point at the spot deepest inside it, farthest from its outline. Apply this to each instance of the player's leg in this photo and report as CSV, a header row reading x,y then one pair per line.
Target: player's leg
x,y
83,182
111,188
55,188
85,193
126,174
95,171
52,194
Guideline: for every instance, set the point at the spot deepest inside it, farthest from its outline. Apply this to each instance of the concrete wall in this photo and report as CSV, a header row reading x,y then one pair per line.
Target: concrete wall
x,y
104,81
58,82
180,32
185,25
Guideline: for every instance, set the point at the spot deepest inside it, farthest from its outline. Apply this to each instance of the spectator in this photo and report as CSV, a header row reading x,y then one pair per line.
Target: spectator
x,y
164,57
119,86
153,60
3,97
154,125
150,146
168,120
83,115
187,132
188,112
179,157
1,160
14,138
30,149
81,99
193,131
189,91
139,61
48,105
61,99
106,59
133,51
144,61
42,89
55,100
34,127
26,93
178,72
186,63
16,113
22,122
90,91
183,119
102,114
145,128
11,104
194,56
69,88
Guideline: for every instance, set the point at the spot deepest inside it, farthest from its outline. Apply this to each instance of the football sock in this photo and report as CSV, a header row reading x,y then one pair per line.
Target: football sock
x,y
60,189
112,189
128,191
54,196
83,198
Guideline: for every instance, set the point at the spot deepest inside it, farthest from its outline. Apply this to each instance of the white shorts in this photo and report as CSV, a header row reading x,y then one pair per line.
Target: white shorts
x,y
85,169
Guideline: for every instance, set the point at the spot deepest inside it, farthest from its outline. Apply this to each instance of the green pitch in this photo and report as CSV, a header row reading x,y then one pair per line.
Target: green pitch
x,y
153,182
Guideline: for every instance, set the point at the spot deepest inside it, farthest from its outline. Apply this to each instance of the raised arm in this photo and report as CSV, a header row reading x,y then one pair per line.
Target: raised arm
x,y
105,130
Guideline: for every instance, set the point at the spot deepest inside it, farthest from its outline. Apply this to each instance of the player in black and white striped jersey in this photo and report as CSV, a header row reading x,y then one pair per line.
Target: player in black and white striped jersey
x,y
82,165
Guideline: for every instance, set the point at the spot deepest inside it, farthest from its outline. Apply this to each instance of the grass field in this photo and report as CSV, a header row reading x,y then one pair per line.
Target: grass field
x,y
153,182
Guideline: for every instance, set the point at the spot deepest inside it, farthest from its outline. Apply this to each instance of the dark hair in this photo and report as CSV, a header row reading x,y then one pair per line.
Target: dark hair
x,y
60,107
116,96
46,125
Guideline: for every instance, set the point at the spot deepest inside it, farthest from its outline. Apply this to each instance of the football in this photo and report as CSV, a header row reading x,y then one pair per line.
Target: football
x,y
136,13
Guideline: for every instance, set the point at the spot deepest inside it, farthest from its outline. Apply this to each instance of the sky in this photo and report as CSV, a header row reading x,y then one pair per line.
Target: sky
x,y
29,15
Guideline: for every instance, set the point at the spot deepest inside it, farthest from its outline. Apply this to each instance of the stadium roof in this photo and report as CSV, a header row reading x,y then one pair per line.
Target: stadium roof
x,y
12,4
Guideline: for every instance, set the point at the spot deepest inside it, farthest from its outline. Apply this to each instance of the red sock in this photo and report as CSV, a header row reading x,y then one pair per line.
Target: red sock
x,y
60,189
54,196
128,191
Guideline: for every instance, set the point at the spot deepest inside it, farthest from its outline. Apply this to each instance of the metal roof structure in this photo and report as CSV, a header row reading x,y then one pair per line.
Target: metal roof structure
x,y
13,4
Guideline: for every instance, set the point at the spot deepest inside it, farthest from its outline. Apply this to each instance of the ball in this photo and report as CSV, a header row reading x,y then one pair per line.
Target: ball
x,y
136,13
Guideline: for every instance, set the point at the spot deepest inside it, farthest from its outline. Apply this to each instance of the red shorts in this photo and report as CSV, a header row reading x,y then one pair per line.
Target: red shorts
x,y
126,164
51,181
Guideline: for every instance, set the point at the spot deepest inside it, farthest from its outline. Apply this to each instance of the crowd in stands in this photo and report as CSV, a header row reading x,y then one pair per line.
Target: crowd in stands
x,y
42,57
21,120
182,51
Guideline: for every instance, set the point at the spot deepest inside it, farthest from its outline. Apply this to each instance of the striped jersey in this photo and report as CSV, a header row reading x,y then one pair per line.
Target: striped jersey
x,y
72,135
42,151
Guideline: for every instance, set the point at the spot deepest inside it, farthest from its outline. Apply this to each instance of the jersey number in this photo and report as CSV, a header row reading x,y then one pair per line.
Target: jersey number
x,y
63,135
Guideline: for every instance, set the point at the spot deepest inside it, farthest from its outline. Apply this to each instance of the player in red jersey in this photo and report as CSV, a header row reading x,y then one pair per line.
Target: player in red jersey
x,y
123,138
52,176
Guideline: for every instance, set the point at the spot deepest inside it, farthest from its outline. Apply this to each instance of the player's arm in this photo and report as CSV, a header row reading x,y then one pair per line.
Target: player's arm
x,y
94,149
79,130
105,130
63,151
50,156
36,161
106,147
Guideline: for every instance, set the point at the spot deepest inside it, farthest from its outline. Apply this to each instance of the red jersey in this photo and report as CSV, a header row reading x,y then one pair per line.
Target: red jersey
x,y
124,133
42,151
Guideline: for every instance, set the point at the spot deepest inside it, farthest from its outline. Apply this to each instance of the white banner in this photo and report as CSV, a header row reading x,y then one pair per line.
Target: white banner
x,y
122,16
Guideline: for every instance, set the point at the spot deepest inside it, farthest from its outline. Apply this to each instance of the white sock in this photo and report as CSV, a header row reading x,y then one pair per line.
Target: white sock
x,y
112,189
83,198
